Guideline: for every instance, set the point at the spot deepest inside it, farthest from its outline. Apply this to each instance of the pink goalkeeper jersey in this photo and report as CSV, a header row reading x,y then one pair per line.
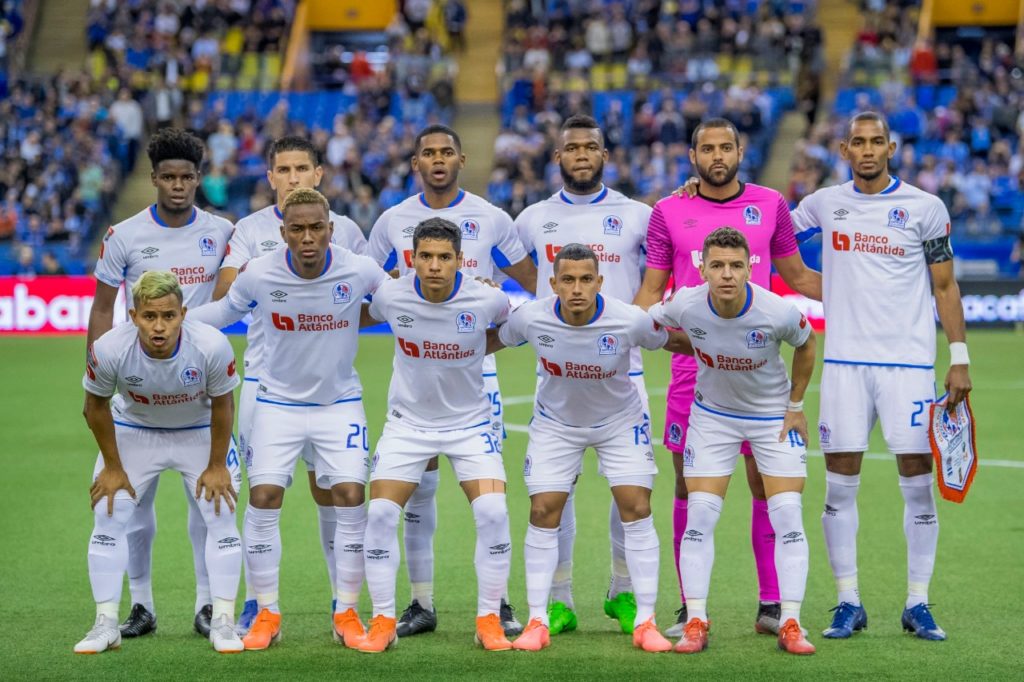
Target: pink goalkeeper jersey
x,y
679,226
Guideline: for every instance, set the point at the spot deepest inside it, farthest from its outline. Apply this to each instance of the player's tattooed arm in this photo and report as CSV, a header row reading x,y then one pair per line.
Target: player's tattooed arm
x,y
112,477
524,272
951,315
215,482
678,342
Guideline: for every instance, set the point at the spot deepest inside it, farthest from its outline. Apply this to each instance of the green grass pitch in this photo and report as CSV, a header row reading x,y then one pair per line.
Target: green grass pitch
x,y
48,453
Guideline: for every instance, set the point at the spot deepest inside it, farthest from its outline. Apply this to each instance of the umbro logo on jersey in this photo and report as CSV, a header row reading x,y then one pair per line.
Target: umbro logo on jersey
x,y
150,252
690,223
405,321
546,341
697,333
279,295
549,227
133,380
409,230
269,244
840,214
500,548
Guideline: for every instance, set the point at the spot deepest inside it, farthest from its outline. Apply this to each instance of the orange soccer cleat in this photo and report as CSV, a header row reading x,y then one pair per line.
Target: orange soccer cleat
x,y
694,639
381,637
792,639
535,637
348,629
490,634
265,630
647,637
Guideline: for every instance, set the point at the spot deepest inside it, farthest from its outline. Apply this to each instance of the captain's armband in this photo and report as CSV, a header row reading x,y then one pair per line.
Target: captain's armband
x,y
938,250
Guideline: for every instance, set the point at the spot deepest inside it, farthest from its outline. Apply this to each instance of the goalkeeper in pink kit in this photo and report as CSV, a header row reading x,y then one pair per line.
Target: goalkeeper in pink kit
x,y
675,239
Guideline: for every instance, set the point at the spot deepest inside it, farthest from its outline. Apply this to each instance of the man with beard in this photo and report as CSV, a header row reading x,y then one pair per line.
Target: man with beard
x,y
886,251
614,227
675,241
489,244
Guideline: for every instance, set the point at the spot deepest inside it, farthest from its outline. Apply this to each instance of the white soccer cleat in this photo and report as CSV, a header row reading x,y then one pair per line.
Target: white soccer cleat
x,y
225,639
104,635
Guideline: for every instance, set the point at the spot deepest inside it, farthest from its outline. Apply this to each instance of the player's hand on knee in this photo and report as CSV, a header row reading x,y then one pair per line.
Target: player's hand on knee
x,y
688,189
215,483
107,484
794,421
958,385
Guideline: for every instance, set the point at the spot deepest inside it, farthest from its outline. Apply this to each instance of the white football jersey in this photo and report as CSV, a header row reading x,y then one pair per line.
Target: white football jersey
x,y
489,240
584,370
311,326
740,372
876,286
144,242
612,224
170,393
259,234
437,382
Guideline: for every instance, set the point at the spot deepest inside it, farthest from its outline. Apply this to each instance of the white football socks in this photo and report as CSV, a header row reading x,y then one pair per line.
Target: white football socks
x,y
382,555
493,556
541,555
641,550
328,519
222,555
141,533
108,551
197,536
420,523
839,521
263,552
620,580
348,537
921,526
697,550
561,586
791,553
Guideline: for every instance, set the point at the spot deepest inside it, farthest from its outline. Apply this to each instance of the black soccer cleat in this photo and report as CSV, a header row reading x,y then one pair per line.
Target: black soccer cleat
x,y
507,615
767,621
416,620
139,622
676,630
202,621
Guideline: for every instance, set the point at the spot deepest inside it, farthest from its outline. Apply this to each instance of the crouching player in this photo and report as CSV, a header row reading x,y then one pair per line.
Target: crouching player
x,y
437,404
741,395
176,378
586,399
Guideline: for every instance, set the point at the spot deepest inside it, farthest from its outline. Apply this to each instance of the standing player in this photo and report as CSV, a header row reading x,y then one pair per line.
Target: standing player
x,y
437,404
308,298
176,380
293,163
585,211
586,399
174,235
674,246
741,396
489,243
883,241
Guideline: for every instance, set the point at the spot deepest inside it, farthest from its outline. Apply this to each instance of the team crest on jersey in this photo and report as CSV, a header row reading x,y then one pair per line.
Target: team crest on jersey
x,y
342,292
465,322
470,229
190,376
688,456
824,433
898,217
751,215
607,345
675,434
612,224
756,339
207,245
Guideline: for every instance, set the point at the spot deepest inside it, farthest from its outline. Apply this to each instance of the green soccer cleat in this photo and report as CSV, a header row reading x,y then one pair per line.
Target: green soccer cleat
x,y
561,618
623,609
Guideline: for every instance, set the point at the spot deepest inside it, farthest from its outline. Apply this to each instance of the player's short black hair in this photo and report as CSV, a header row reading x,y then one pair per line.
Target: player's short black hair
x,y
574,251
175,144
716,122
867,116
292,143
439,229
435,129
725,238
582,121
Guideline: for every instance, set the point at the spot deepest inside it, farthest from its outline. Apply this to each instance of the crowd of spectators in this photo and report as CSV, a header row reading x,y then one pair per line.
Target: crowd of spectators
x,y
60,148
957,114
679,62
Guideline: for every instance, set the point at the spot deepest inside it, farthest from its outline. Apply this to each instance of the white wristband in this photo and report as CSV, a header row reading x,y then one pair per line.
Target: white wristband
x,y
795,406
958,353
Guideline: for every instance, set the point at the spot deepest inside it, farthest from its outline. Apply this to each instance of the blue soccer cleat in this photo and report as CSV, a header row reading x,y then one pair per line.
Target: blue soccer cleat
x,y
848,619
919,621
245,619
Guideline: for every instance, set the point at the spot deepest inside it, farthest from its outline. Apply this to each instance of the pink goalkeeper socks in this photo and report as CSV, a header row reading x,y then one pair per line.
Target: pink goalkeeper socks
x,y
762,537
678,528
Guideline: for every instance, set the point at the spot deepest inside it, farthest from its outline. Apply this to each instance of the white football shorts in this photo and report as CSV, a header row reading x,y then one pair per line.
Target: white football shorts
x,y
713,444
403,452
246,410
